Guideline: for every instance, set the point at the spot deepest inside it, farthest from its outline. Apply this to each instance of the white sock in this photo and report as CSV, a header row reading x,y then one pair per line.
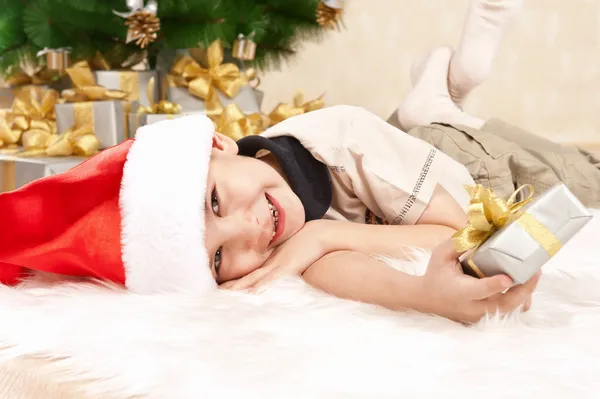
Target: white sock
x,y
481,37
430,101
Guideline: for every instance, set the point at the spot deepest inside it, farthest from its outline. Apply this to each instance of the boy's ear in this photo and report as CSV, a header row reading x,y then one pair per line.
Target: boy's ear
x,y
225,144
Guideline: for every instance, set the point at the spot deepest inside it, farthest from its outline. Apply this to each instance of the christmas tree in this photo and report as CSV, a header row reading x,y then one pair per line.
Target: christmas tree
x,y
88,26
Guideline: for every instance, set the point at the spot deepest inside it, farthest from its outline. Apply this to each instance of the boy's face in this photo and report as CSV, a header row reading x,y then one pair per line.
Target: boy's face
x,y
250,210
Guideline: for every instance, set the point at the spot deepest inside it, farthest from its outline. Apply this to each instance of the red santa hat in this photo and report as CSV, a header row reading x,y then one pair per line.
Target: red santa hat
x,y
133,214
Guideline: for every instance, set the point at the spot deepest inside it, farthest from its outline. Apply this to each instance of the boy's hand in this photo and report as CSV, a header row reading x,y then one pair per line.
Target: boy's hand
x,y
450,293
291,258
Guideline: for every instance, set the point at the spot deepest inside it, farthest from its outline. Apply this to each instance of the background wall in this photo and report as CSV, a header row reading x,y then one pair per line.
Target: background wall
x,y
546,78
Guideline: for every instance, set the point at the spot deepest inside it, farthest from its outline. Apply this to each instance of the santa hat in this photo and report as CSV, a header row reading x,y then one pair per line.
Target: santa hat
x,y
133,214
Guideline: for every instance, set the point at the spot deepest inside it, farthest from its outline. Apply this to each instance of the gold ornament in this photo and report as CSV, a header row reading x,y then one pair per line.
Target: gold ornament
x,y
329,13
142,23
244,48
56,59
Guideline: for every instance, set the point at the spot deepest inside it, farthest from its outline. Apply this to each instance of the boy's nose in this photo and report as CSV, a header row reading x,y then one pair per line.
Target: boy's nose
x,y
246,230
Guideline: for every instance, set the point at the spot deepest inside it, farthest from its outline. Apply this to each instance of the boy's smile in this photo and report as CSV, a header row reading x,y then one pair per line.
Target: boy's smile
x,y
250,210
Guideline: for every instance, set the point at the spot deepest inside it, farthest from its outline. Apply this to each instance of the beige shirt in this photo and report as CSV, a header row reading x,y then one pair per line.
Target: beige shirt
x,y
377,171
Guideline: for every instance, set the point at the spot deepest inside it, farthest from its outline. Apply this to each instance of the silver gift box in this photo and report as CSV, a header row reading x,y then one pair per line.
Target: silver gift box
x,y
109,120
246,99
137,121
15,171
512,251
133,82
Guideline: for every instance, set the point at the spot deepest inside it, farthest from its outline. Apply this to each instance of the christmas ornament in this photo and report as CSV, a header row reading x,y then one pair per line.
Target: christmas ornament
x,y
142,23
329,13
244,48
56,59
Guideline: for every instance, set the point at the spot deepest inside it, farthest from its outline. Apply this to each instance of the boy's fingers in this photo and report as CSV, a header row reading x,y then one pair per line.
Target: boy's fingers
x,y
445,252
479,289
518,295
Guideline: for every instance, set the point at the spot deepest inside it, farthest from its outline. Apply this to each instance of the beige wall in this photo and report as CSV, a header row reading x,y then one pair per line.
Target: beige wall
x,y
546,79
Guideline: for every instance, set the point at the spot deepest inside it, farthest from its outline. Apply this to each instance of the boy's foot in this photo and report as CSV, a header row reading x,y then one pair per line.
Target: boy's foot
x,y
430,101
483,31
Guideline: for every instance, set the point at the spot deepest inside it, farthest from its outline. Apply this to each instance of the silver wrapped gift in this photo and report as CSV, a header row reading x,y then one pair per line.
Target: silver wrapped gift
x,y
246,99
133,82
136,121
107,117
15,171
553,219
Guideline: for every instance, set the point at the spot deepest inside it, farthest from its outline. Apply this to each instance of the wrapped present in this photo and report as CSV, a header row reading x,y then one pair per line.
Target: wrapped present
x,y
132,82
106,119
155,111
15,171
89,107
298,106
210,88
232,122
517,238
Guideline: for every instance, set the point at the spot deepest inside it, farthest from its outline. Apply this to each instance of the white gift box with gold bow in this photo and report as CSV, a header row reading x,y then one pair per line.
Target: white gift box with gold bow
x,y
536,233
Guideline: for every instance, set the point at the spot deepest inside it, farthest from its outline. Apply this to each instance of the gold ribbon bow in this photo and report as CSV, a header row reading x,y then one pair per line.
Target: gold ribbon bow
x,y
86,88
233,123
161,107
202,82
488,213
31,123
284,111
30,73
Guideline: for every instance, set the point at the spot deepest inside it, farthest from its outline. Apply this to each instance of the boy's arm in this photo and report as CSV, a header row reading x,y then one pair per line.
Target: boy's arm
x,y
321,237
444,290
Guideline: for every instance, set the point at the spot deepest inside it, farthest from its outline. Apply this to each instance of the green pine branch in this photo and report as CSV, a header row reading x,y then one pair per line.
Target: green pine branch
x,y
87,26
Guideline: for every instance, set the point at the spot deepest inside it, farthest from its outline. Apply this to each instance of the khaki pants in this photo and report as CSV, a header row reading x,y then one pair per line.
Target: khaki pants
x,y
504,157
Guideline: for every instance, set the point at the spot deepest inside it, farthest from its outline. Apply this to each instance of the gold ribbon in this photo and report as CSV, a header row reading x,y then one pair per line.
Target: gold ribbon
x,y
233,123
30,72
203,82
86,88
7,176
299,106
487,214
162,107
31,123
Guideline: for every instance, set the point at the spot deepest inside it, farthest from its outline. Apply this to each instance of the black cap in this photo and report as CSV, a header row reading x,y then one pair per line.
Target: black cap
x,y
308,178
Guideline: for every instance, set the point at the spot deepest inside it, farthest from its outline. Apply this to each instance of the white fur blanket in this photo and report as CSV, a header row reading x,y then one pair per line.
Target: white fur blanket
x,y
293,342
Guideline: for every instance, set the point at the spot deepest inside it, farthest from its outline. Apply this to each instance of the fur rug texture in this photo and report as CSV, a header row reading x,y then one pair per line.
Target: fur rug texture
x,y
294,342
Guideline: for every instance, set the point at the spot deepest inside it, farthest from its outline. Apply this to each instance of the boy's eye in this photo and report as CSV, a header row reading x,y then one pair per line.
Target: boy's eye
x,y
217,261
214,202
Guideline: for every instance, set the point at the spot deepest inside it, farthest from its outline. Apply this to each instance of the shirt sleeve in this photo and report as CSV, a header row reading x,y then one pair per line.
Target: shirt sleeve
x,y
393,173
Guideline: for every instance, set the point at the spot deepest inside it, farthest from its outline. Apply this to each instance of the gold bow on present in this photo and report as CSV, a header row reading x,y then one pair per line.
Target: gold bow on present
x,y
161,107
488,213
284,111
86,88
203,82
233,123
30,72
31,123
